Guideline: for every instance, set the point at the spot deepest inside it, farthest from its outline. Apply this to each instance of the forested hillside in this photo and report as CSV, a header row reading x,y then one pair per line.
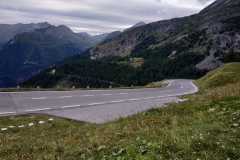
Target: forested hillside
x,y
107,71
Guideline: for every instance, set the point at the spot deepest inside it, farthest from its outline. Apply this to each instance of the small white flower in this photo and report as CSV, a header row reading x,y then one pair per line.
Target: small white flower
x,y
11,126
218,143
30,124
3,129
50,119
41,122
208,133
21,126
212,109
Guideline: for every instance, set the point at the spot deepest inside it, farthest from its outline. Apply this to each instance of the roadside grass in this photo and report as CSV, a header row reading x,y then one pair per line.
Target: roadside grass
x,y
207,126
228,73
156,84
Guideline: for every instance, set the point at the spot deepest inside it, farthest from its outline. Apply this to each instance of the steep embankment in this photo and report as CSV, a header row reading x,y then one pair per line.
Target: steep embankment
x,y
228,73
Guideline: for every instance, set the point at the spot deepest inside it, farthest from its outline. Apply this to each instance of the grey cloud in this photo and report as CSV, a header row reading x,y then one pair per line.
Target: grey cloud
x,y
204,1
93,16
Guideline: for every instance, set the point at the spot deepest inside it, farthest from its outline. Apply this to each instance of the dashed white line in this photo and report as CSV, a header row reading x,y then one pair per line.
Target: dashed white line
x,y
40,98
161,96
7,113
96,103
71,106
149,98
107,94
117,101
122,93
88,95
65,97
43,109
134,99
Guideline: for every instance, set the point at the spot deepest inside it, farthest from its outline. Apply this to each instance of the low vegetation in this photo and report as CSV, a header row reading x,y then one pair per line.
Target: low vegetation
x,y
205,127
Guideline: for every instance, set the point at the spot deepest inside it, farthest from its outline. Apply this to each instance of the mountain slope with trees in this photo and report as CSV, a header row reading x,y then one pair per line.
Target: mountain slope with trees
x,y
211,33
29,52
185,47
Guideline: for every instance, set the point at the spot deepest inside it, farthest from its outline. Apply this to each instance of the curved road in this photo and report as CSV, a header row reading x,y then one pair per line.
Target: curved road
x,y
96,106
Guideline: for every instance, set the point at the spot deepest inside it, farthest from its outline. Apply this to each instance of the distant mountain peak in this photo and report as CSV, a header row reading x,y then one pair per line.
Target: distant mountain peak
x,y
134,26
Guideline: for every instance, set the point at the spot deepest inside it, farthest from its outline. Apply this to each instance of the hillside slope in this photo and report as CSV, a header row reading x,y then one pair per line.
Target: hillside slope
x,y
211,33
28,53
228,73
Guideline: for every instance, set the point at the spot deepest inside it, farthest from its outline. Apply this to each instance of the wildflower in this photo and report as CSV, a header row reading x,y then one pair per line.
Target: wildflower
x,y
212,109
30,124
50,119
3,129
21,126
41,122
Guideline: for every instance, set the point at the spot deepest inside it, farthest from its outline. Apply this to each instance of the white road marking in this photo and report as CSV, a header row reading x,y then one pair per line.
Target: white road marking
x,y
161,97
43,109
117,101
134,99
149,98
8,113
71,106
88,95
107,94
40,98
165,91
122,93
65,97
96,103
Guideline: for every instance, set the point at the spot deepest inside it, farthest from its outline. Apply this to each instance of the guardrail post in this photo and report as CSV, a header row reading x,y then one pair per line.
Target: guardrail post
x,y
73,87
58,88
18,88
88,87
38,88
110,87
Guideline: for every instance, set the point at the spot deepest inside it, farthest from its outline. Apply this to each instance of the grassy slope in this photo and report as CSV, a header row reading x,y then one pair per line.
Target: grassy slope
x,y
205,127
229,73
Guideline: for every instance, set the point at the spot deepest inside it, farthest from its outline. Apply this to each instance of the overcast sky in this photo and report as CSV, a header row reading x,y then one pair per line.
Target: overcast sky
x,y
96,16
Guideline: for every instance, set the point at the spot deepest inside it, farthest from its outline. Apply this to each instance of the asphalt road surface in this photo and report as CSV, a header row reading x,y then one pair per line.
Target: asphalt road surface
x,y
96,106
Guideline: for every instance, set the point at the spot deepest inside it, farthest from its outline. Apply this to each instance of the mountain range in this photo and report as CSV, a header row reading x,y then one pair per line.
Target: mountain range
x,y
26,49
184,47
212,32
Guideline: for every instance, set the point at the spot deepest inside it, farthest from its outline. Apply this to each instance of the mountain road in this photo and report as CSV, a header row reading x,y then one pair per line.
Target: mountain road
x,y
96,106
